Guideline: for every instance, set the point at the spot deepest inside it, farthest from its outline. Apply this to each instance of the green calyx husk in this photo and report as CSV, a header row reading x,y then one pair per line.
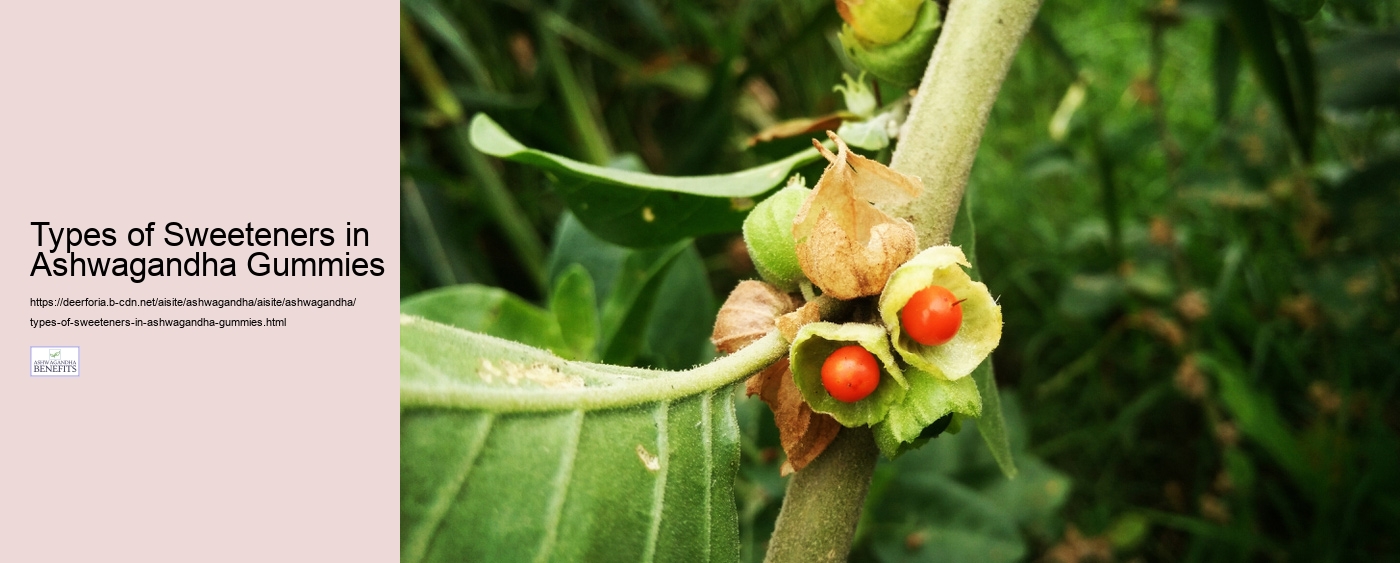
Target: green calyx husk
x,y
810,349
914,396
901,62
981,325
768,235
929,399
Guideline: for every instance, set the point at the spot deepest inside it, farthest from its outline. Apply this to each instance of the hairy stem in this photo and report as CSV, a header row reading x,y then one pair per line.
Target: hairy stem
x,y
940,139
938,143
824,501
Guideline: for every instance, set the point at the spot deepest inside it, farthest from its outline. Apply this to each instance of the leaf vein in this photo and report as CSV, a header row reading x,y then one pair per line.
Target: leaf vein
x,y
707,439
562,478
425,533
659,489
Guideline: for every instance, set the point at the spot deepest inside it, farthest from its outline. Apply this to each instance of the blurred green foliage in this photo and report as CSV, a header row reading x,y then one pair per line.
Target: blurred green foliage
x,y
1187,209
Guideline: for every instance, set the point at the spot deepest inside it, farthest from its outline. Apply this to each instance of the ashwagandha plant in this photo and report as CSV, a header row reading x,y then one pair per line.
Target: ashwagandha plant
x,y
869,336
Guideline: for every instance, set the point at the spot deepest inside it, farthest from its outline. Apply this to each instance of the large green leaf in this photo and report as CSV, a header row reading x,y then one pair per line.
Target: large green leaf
x,y
991,424
489,310
637,209
569,327
509,453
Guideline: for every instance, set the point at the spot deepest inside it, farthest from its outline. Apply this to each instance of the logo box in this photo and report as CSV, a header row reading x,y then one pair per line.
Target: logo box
x,y
54,361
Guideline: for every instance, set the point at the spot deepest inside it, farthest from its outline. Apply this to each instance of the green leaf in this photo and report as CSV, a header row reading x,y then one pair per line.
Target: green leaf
x,y
1360,71
946,501
951,520
1302,75
1290,81
642,210
627,282
1034,496
576,309
442,25
991,424
489,310
1225,65
509,453
1259,419
682,314
1301,9
628,308
929,398
573,244
1364,204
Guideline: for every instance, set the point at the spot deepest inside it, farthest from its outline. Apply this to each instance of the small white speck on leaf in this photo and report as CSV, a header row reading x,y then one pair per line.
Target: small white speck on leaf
x,y
647,215
651,462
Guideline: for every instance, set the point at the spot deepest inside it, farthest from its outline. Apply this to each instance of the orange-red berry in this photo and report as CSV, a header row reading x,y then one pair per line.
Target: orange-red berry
x,y
850,374
932,316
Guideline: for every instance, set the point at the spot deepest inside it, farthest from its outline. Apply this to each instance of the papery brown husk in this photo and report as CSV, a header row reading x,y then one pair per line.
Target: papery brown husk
x,y
804,434
845,269
790,323
748,313
845,245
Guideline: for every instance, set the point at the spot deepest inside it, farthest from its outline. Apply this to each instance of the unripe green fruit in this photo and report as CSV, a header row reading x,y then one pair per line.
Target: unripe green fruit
x,y
768,234
879,22
901,62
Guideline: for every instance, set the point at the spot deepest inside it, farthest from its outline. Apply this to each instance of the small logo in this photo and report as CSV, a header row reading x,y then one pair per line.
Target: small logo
x,y
54,361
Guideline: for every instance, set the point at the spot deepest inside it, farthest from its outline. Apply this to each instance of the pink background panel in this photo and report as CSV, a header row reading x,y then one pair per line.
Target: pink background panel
x,y
235,444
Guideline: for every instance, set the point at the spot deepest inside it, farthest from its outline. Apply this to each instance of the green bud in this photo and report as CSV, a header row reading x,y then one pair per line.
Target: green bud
x,y
901,62
810,349
860,99
768,234
980,331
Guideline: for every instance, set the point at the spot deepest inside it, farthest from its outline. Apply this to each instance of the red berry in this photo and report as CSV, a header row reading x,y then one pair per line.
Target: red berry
x,y
932,316
850,374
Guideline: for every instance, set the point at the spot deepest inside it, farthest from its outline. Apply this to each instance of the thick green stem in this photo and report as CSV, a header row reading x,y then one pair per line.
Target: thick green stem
x,y
824,501
939,144
940,139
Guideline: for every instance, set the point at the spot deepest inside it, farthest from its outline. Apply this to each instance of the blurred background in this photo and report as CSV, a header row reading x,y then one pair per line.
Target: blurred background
x,y
1188,210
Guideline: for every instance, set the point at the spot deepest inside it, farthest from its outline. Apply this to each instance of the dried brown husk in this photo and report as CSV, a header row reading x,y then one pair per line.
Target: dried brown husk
x,y
748,313
845,245
804,434
790,323
801,126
